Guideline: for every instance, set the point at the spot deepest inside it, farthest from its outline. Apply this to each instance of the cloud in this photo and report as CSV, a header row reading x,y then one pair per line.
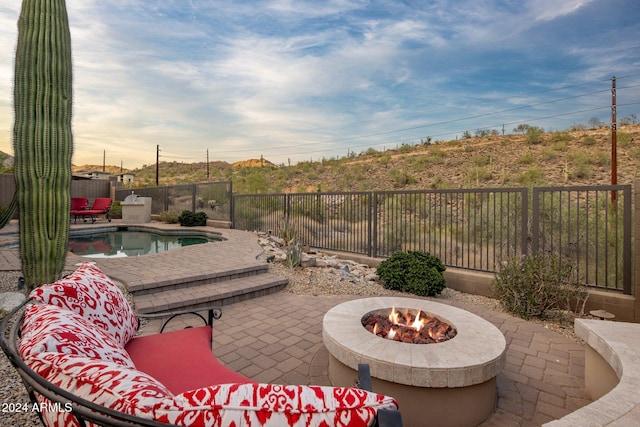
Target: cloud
x,y
238,77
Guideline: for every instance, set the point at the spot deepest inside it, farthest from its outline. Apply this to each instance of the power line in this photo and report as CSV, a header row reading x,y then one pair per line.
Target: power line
x,y
561,88
419,126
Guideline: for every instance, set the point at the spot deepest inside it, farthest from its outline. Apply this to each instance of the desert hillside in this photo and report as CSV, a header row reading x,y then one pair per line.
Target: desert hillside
x,y
534,158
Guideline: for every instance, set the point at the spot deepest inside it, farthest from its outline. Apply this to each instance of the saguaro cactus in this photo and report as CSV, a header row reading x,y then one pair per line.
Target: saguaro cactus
x,y
42,139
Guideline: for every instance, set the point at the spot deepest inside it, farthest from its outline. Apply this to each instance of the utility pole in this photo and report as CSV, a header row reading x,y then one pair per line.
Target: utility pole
x,y
207,164
104,160
157,165
614,166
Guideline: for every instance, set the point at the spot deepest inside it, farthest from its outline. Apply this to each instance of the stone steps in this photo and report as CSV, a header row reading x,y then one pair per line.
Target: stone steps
x,y
198,293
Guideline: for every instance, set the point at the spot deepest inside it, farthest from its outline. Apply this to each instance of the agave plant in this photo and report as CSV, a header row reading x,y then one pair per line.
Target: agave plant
x,y
42,138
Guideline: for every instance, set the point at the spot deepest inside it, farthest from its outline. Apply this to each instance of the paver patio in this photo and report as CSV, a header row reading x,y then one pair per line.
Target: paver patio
x,y
278,338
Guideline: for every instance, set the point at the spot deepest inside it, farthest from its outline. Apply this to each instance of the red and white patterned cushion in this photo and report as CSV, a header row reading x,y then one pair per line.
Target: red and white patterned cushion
x,y
93,295
49,328
105,383
133,392
273,405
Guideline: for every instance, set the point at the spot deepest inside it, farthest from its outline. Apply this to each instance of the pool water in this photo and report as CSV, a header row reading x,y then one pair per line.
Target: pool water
x,y
114,244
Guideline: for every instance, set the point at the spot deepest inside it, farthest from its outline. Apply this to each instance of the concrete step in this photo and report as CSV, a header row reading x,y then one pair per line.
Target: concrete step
x,y
185,281
211,293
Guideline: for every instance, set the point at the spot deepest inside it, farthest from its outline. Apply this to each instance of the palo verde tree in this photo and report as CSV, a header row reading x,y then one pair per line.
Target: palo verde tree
x,y
42,139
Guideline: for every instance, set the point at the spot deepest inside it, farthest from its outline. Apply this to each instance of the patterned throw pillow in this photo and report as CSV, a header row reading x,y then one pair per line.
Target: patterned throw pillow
x,y
104,383
90,293
273,405
49,328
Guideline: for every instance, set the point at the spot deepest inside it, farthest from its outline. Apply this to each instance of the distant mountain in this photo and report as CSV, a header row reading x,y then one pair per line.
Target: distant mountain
x,y
98,168
5,159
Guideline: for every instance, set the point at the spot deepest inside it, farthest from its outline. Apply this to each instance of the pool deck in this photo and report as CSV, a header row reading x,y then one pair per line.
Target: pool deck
x,y
278,338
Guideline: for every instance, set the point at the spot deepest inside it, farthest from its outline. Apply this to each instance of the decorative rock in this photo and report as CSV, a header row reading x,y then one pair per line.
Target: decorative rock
x,y
602,314
307,261
347,270
10,300
322,263
277,240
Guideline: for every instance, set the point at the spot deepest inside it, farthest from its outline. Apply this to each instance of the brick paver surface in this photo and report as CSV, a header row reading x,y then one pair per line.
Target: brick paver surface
x,y
278,338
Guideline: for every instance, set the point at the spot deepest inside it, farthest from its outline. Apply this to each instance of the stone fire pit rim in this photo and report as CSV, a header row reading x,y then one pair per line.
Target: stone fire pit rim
x,y
474,356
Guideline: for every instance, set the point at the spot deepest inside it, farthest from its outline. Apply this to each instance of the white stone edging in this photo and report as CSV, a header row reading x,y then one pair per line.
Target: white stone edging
x,y
619,345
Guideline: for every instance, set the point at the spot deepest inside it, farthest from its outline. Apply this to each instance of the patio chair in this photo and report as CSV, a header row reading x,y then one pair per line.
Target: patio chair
x,y
101,206
79,203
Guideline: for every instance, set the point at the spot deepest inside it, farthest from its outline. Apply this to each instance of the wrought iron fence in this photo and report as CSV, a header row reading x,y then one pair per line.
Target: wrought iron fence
x,y
470,228
214,198
476,229
591,226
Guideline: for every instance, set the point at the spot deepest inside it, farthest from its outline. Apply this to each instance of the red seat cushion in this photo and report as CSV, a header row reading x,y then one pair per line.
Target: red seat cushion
x,y
88,212
181,360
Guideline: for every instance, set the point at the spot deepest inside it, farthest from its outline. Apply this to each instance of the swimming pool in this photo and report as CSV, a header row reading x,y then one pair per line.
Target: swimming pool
x,y
130,241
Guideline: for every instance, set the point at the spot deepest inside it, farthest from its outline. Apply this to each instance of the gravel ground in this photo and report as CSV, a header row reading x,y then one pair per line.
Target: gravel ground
x,y
15,409
308,281
326,281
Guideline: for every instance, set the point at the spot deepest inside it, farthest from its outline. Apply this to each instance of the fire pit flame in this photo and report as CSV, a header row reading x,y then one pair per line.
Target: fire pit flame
x,y
391,334
417,324
406,327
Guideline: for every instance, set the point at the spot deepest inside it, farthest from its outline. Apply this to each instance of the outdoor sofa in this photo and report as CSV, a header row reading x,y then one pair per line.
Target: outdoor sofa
x,y
75,347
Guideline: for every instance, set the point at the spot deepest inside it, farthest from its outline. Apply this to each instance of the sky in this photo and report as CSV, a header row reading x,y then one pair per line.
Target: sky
x,y
305,80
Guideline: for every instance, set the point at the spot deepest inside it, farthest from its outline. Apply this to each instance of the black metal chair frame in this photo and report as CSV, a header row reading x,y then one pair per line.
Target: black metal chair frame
x,y
88,412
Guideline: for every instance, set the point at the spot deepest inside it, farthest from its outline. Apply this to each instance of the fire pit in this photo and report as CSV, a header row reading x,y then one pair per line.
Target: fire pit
x,y
446,383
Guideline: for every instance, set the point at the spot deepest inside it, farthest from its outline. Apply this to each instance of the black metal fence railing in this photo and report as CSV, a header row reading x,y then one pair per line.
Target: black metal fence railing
x,y
590,225
473,229
476,229
214,198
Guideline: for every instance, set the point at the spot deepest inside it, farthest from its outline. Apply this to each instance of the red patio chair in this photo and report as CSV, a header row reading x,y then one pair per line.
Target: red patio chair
x,y
78,203
101,206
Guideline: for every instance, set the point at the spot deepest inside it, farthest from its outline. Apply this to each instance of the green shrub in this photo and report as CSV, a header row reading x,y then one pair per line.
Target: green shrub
x,y
581,170
561,136
481,160
170,217
526,159
531,177
535,285
549,154
623,139
478,174
192,219
401,179
416,272
535,135
116,209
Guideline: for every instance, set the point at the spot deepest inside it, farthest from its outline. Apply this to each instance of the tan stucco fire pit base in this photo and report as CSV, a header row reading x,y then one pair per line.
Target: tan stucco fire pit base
x,y
452,383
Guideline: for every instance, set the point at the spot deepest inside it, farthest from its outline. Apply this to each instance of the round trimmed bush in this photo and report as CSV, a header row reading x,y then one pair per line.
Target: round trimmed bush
x,y
415,272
